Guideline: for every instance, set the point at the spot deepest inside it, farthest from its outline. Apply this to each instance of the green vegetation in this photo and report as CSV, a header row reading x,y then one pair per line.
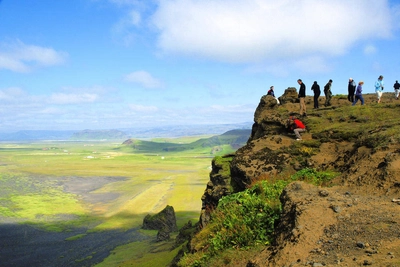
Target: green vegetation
x,y
102,186
368,125
245,220
144,254
314,177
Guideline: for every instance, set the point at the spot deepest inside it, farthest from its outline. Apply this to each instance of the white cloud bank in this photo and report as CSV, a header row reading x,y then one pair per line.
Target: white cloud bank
x,y
242,31
20,57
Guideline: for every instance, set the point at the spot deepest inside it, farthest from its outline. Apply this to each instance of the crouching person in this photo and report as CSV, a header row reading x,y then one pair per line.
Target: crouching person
x,y
296,126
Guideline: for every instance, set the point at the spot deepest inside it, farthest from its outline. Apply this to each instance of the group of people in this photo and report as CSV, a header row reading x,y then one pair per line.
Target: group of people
x,y
317,92
379,87
354,92
354,95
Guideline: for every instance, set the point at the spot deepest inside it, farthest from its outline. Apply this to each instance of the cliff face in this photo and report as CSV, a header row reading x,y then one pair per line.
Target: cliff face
x,y
361,143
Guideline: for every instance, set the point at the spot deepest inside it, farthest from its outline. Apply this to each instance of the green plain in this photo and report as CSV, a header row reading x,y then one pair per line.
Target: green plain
x,y
43,184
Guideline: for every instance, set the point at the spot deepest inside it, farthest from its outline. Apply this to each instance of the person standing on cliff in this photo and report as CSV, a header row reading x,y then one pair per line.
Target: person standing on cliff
x,y
359,94
379,85
296,126
351,90
396,87
271,93
328,93
317,92
302,97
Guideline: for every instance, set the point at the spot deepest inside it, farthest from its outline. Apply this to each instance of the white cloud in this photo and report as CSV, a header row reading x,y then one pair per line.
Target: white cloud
x,y
61,98
369,49
313,64
255,30
231,109
13,94
141,108
126,2
122,30
143,78
20,57
132,19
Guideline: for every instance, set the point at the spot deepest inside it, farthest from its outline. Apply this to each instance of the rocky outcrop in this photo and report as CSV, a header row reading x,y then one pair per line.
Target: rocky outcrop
x,y
233,173
164,221
219,185
352,220
271,149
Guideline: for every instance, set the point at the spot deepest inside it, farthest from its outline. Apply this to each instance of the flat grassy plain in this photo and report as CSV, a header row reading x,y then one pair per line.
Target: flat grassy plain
x,y
85,190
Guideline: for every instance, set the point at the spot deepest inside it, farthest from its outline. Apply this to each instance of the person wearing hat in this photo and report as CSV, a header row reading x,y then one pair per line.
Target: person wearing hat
x,y
396,87
351,90
379,85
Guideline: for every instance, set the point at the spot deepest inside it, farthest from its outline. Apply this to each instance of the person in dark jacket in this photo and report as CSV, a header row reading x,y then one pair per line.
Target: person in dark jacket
x,y
302,97
317,92
396,87
272,93
351,90
328,93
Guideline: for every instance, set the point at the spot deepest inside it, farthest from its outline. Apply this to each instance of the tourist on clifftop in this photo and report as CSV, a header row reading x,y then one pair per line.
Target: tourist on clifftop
x,y
359,94
379,88
296,126
317,92
302,97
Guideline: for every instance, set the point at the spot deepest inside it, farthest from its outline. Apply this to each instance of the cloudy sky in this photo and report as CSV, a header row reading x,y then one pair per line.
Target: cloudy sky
x,y
102,64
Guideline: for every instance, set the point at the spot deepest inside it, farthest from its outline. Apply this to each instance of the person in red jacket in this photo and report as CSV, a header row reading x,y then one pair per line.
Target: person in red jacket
x,y
296,126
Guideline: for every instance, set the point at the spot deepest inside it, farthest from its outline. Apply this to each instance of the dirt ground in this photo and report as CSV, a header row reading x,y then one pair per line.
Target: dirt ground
x,y
335,227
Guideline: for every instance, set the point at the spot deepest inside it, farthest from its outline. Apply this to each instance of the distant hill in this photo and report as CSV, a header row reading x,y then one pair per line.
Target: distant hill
x,y
29,135
122,134
99,135
185,130
234,138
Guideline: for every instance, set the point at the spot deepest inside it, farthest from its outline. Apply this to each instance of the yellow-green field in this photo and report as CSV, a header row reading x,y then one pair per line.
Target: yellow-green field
x,y
100,186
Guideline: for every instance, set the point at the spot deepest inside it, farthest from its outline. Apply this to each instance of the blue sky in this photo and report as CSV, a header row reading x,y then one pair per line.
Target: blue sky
x,y
106,64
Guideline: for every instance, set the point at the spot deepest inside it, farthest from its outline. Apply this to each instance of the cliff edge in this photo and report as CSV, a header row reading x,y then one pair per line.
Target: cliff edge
x,y
354,219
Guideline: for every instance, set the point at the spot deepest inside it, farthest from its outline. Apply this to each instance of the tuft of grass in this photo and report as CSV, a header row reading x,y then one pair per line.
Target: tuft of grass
x,y
314,177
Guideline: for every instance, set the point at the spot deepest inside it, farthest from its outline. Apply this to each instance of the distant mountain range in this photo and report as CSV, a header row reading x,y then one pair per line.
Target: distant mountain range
x,y
123,134
235,138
